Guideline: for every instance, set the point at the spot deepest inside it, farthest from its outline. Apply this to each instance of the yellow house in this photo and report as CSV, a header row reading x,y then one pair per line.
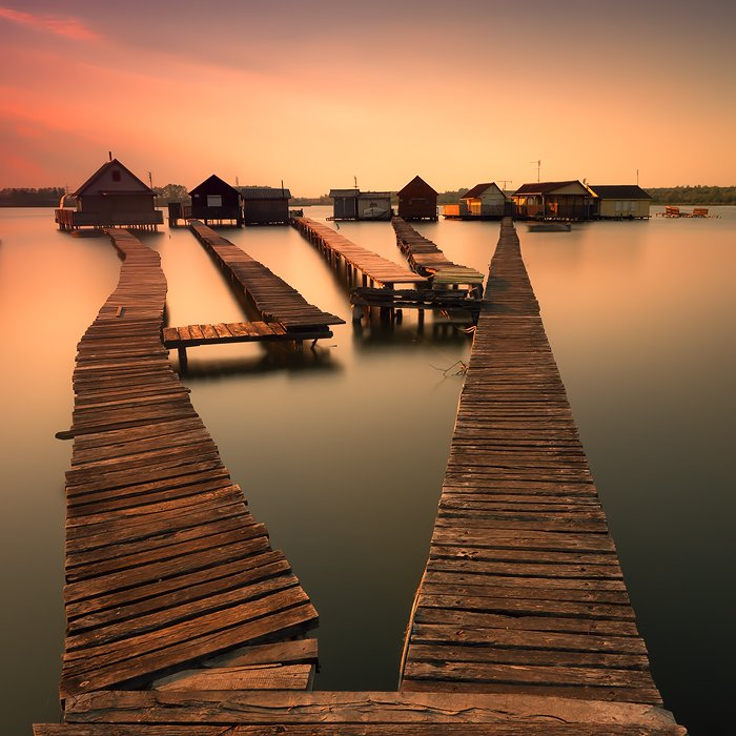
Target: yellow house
x,y
621,202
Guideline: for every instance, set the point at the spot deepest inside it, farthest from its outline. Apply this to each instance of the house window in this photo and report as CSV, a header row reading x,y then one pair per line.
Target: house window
x,y
116,174
214,200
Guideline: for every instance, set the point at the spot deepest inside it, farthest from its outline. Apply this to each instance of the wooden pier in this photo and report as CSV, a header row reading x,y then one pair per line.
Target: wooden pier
x,y
361,262
166,571
181,338
428,260
277,301
523,592
180,614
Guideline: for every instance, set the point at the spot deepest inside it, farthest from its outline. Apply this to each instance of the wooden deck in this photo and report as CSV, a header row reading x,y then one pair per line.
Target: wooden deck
x,y
169,580
428,260
274,298
374,269
523,592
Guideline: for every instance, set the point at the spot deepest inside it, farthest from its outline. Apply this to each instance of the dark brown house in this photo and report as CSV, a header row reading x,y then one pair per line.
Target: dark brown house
x,y
553,200
418,201
266,205
214,201
112,197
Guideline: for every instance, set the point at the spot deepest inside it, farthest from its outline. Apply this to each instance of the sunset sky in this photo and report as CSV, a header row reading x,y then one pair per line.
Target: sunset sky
x,y
317,92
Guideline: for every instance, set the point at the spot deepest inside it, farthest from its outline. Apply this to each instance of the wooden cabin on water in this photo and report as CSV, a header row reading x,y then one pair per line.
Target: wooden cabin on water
x,y
352,204
112,197
486,201
417,201
215,202
266,205
620,202
553,200
344,203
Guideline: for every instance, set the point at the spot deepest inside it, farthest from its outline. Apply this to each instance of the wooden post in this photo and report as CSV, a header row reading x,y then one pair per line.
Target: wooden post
x,y
183,363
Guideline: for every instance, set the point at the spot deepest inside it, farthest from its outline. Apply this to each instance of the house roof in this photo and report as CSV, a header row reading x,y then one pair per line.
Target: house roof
x,y
344,192
417,180
618,191
213,183
142,187
543,187
374,195
478,189
265,193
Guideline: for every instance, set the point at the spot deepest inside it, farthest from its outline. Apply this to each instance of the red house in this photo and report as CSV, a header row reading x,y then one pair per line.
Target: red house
x,y
418,201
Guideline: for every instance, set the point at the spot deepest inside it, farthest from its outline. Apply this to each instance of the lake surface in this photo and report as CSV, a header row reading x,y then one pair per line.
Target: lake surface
x,y
341,452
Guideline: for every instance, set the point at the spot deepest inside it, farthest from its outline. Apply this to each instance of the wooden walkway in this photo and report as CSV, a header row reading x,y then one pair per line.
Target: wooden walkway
x,y
274,298
374,269
523,592
165,567
521,625
428,260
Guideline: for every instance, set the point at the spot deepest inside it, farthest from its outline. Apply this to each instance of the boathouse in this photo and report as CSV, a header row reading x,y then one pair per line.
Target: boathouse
x,y
344,203
266,205
553,200
214,201
417,201
112,197
374,206
486,201
620,202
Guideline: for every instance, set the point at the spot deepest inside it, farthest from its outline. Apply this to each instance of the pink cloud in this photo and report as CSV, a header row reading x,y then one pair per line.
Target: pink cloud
x,y
68,27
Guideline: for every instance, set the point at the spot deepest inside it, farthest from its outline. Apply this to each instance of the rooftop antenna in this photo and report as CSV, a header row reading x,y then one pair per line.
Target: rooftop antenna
x,y
109,155
150,180
539,169
506,182
282,188
637,177
355,179
237,181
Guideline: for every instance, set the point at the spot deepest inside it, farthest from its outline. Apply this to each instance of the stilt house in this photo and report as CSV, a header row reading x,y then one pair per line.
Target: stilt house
x,y
112,197
620,202
418,201
266,205
344,204
484,201
214,201
553,200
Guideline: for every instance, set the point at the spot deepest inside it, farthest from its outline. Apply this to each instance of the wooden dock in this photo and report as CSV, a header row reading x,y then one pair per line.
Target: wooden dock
x,y
361,262
521,625
523,592
274,298
169,580
428,260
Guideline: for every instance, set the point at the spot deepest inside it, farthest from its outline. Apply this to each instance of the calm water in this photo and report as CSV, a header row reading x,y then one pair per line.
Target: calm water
x,y
342,452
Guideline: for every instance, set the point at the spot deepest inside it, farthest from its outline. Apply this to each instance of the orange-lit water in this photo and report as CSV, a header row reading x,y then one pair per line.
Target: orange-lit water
x,y
341,453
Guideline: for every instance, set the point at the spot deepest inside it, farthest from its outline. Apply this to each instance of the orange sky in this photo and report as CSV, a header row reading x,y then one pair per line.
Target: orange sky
x,y
316,93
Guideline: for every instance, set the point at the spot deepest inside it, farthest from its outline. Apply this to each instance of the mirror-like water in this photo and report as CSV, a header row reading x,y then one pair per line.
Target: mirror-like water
x,y
341,452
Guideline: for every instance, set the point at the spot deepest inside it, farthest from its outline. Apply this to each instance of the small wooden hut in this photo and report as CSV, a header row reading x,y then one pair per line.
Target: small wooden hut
x,y
553,200
344,204
417,201
374,206
485,201
214,201
266,205
620,202
112,197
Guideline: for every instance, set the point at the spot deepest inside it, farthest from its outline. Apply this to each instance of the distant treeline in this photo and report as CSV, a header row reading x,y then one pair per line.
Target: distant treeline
x,y
693,195
31,197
